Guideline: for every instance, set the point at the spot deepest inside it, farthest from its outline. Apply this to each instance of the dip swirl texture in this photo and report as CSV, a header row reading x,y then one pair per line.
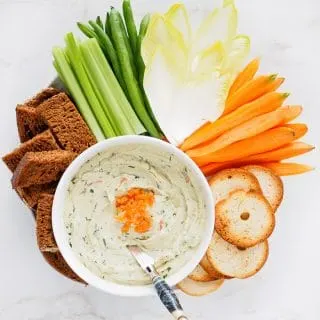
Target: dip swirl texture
x,y
178,213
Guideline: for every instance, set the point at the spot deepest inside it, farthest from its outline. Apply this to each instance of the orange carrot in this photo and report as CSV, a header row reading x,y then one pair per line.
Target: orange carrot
x,y
266,141
267,103
289,151
273,86
214,167
295,112
300,129
252,90
245,75
287,169
245,130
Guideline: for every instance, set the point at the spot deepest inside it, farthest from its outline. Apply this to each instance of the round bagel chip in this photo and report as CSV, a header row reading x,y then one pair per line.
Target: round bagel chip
x,y
226,181
244,219
198,289
271,184
234,261
201,275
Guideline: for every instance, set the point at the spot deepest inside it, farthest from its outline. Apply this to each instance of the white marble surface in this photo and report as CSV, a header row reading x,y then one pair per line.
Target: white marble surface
x,y
286,33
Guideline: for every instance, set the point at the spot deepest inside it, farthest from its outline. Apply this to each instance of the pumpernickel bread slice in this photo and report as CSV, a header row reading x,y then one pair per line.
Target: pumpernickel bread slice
x,y
244,218
228,180
271,184
42,142
28,123
66,123
41,167
45,237
197,288
236,262
31,195
199,274
57,262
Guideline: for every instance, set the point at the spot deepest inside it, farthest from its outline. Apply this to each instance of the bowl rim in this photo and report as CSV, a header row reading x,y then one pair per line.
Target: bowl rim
x,y
60,233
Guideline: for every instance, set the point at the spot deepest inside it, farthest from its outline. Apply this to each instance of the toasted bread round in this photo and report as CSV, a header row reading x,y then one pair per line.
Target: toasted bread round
x,y
226,181
234,261
199,274
197,289
244,218
271,184
207,266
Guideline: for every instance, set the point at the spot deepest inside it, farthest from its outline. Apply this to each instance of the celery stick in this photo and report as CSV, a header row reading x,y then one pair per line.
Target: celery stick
x,y
109,51
75,59
76,92
134,91
122,99
100,81
101,99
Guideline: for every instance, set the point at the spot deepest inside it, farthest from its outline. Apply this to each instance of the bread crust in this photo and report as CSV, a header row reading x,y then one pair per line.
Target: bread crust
x,y
235,262
199,274
242,232
273,193
226,181
198,289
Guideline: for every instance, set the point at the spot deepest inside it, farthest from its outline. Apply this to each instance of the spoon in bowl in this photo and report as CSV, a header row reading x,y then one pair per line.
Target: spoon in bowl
x,y
165,293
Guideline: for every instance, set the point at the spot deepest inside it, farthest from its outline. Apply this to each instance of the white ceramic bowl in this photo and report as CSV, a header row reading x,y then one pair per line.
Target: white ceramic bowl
x,y
61,234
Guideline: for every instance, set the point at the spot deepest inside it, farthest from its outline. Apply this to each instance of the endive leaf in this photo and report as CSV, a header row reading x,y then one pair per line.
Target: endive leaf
x,y
166,35
177,16
181,107
208,61
237,54
220,25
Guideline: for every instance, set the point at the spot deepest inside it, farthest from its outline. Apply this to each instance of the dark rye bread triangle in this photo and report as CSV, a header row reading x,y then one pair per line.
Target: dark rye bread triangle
x,y
41,167
57,262
28,122
46,241
66,123
42,142
45,237
31,195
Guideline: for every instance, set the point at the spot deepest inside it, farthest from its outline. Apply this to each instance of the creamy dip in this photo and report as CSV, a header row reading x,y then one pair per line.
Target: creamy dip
x,y
178,213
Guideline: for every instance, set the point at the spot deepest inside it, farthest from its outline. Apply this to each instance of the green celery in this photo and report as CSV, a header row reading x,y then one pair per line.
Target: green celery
x,y
66,74
101,83
75,58
123,101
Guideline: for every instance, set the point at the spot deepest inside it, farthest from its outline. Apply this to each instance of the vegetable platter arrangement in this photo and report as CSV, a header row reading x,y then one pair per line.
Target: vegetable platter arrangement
x,y
197,89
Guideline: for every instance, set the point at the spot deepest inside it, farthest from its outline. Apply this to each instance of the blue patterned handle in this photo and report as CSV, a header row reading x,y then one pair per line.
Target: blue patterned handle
x,y
168,298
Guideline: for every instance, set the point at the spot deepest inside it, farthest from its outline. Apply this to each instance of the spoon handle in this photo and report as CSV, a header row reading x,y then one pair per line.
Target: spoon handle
x,y
168,298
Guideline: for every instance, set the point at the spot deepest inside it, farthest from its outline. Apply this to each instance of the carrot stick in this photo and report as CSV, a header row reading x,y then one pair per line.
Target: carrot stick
x,y
295,113
300,129
289,151
266,141
273,86
245,75
287,169
267,103
246,130
252,90
214,167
